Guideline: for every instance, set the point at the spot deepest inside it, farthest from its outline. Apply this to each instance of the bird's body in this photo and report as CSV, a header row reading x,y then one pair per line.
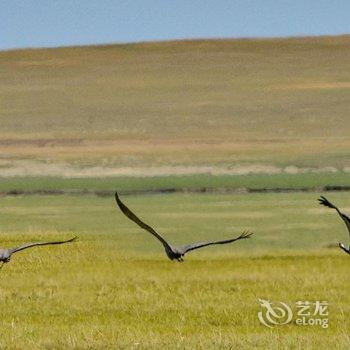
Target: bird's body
x,y
324,201
172,253
5,254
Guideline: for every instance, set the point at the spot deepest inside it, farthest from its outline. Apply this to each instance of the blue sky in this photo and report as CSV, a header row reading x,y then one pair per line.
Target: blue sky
x,y
46,23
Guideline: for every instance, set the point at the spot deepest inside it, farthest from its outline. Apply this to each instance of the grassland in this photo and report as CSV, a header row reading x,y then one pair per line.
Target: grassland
x,y
223,103
115,288
224,115
175,183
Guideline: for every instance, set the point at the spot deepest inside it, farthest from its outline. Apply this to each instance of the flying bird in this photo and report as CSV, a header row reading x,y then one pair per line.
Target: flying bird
x,y
324,201
5,254
173,252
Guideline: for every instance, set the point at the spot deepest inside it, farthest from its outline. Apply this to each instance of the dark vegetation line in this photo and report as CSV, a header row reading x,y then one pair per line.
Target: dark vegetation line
x,y
108,193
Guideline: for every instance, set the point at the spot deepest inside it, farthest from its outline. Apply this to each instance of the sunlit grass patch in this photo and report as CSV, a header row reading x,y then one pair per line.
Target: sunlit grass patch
x,y
115,287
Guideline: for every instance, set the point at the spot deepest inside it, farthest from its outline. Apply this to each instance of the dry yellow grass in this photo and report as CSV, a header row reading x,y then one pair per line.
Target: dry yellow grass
x,y
217,102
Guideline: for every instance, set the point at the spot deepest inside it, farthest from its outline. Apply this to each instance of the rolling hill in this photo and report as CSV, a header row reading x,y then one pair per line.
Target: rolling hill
x,y
219,106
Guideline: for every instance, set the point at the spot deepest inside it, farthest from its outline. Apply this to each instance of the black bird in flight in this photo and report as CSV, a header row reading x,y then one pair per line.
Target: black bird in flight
x,y
324,201
5,254
173,252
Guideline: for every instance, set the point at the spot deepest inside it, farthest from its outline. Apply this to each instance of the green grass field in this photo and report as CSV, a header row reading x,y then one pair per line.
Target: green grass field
x,y
176,183
115,288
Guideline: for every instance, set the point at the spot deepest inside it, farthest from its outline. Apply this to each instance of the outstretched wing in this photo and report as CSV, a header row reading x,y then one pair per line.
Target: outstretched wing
x,y
324,201
194,246
135,219
29,245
